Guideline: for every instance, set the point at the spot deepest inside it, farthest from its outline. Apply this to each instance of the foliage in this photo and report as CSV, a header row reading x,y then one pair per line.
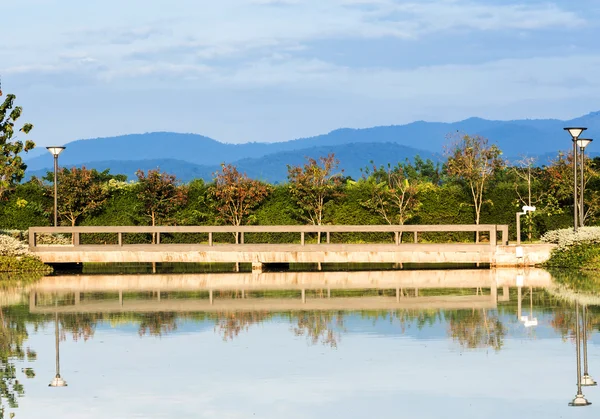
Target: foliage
x,y
23,264
474,162
393,195
81,192
159,195
10,246
314,185
12,168
234,195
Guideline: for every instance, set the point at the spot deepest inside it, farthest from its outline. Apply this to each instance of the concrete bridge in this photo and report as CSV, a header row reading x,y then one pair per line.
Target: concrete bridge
x,y
313,290
117,246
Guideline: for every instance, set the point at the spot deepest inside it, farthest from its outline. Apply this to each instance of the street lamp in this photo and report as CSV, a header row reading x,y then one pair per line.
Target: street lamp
x,y
575,133
586,380
579,399
57,381
55,150
582,143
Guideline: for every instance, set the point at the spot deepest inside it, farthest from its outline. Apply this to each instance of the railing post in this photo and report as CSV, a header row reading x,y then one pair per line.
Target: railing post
x,y
120,238
493,236
416,238
302,238
210,238
397,237
242,237
75,238
32,239
328,237
158,237
505,235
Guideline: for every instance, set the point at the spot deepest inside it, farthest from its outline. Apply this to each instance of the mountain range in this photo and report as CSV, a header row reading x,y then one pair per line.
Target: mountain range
x,y
195,156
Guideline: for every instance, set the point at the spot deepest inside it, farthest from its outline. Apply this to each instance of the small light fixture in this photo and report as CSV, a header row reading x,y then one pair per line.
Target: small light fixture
x,y
55,150
575,131
583,142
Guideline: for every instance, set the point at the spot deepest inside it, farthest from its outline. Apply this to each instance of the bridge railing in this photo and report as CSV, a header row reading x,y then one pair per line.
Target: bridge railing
x,y
302,230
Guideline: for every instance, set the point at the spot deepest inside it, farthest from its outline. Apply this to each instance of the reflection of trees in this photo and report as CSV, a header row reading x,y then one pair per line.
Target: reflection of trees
x,y
81,326
563,321
476,329
230,324
157,324
323,327
13,335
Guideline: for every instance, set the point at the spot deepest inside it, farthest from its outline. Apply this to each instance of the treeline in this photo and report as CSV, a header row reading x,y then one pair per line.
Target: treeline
x,y
474,185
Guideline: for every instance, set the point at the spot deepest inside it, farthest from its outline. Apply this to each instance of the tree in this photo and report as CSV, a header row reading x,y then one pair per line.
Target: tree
x,y
235,195
474,162
159,194
12,168
558,177
393,195
314,185
81,192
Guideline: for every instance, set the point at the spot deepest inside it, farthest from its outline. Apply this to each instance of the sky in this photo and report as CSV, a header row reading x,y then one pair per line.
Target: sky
x,y
275,70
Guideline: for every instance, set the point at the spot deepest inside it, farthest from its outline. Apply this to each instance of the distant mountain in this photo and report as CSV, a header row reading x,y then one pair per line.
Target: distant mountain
x,y
197,156
271,168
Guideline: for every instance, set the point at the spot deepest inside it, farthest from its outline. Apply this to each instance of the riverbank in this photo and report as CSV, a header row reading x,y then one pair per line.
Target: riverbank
x,y
575,250
16,258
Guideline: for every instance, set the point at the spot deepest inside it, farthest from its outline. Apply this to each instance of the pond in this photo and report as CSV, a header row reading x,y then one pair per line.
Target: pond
x,y
387,344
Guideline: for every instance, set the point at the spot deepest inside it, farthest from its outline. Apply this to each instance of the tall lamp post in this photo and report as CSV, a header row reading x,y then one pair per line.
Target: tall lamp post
x,y
575,133
55,151
582,143
57,381
579,399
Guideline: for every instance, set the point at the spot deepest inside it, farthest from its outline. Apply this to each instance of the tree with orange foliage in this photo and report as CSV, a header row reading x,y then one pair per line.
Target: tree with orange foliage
x,y
234,195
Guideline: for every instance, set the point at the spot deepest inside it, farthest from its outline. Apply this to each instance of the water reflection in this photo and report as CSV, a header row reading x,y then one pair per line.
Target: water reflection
x,y
265,324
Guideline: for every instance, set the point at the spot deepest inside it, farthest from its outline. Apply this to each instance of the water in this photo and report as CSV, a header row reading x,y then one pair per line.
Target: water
x,y
298,345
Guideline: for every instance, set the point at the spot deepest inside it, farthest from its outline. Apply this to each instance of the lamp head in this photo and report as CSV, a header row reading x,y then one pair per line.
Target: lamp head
x,y
583,142
55,150
575,131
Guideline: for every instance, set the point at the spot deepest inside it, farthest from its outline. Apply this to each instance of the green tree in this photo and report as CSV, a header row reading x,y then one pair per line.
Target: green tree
x,y
234,195
12,168
159,195
393,195
82,192
472,161
314,185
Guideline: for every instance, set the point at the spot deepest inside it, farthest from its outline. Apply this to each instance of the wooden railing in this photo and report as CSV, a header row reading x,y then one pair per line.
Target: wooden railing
x,y
325,230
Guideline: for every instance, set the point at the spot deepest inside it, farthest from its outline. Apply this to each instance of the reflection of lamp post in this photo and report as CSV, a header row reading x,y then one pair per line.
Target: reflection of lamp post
x,y
55,152
575,133
579,399
582,143
529,321
586,380
58,381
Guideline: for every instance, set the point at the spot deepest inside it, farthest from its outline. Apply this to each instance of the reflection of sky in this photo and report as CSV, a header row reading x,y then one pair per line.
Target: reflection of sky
x,y
267,372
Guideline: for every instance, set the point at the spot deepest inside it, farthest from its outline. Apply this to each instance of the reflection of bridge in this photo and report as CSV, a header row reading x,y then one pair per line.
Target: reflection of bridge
x,y
319,284
333,250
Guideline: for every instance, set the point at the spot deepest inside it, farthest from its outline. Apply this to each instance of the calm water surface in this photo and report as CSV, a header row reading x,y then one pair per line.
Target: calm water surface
x,y
425,344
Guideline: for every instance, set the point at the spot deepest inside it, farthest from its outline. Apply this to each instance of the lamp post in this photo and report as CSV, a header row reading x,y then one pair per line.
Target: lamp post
x,y
575,133
55,151
586,380
57,381
582,143
579,399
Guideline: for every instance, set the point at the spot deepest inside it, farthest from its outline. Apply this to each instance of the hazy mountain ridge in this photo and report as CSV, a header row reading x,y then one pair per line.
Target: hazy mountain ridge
x,y
197,155
271,168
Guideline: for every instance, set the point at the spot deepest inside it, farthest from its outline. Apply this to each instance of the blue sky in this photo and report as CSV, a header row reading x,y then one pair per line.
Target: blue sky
x,y
273,70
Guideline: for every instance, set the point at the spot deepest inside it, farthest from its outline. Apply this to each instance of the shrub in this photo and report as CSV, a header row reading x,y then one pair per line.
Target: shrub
x,y
566,237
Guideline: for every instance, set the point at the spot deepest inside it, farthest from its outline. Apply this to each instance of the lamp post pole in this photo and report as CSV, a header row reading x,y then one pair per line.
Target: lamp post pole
x,y
582,143
55,152
579,399
575,133
586,380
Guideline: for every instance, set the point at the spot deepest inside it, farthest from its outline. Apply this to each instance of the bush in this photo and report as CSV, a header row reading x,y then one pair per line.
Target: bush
x,y
566,237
